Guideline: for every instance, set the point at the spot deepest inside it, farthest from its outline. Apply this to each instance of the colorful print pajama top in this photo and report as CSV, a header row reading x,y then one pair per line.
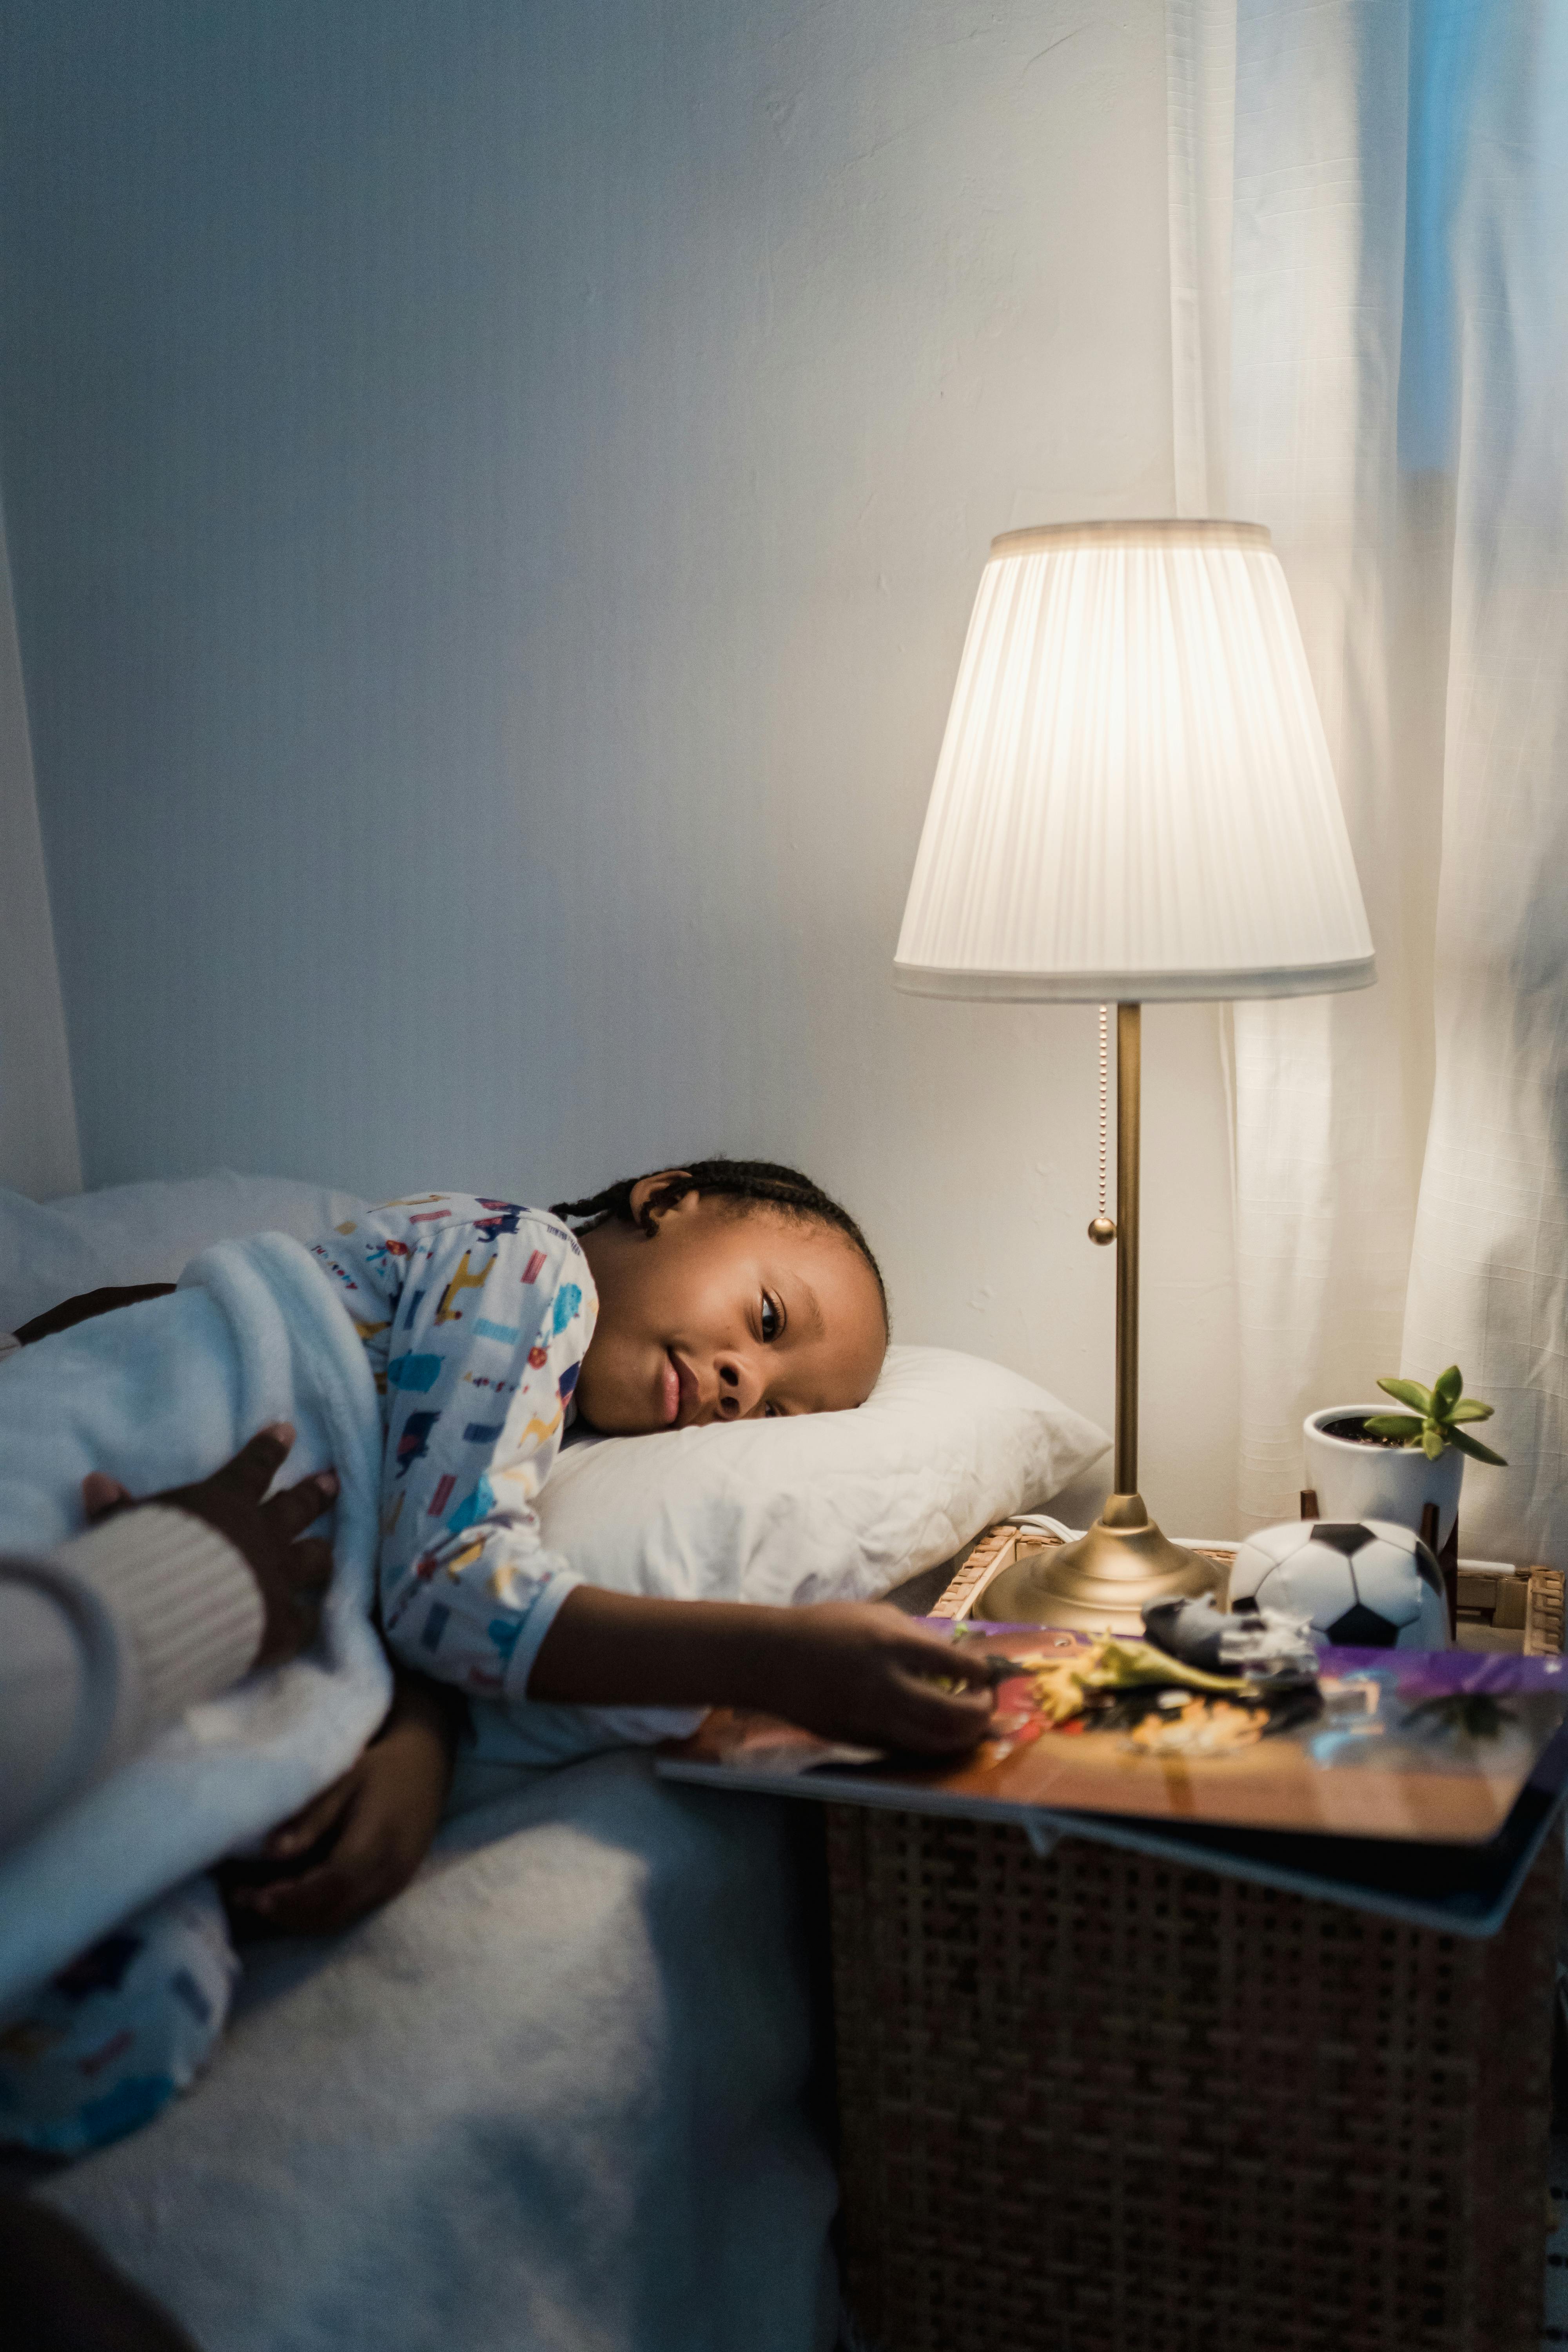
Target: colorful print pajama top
x,y
474,1315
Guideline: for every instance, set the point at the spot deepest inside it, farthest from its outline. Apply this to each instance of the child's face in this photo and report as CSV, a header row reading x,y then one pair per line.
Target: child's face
x,y
719,1316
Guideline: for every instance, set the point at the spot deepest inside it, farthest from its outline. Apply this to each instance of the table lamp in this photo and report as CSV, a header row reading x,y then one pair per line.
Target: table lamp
x,y
1133,803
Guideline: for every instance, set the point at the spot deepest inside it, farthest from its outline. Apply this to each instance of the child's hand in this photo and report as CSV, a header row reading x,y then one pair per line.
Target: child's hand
x,y
852,1670
860,1671
360,1841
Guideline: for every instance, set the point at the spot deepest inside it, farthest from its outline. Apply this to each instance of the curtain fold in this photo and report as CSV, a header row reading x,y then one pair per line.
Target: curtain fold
x,y
1377,267
1489,1279
39,1149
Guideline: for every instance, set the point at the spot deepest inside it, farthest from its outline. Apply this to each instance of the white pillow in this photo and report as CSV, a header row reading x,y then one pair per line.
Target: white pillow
x,y
820,1506
145,1232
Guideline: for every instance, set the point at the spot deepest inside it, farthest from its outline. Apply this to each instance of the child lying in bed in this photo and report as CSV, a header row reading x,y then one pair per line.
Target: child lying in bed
x,y
725,1291
731,1290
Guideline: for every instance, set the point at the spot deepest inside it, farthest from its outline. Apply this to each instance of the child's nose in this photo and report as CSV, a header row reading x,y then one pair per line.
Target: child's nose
x,y
740,1391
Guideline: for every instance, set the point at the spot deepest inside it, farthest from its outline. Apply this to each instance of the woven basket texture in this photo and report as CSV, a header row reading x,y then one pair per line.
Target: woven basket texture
x,y
1104,2104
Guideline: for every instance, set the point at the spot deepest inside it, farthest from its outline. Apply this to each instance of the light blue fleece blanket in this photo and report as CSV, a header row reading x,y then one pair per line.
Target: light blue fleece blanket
x,y
158,1395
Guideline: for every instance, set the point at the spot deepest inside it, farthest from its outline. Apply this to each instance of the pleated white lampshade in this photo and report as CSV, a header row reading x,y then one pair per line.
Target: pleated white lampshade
x,y
1134,798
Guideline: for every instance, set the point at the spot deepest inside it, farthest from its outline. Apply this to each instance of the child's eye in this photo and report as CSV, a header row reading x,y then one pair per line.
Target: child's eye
x,y
771,1413
772,1317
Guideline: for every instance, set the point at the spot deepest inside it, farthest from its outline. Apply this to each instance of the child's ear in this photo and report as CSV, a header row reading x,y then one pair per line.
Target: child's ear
x,y
654,1198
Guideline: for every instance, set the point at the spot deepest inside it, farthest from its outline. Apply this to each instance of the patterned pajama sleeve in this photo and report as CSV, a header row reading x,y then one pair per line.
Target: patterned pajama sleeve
x,y
474,1315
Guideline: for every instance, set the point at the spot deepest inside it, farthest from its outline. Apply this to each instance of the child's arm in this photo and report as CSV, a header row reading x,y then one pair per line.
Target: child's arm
x,y
851,1670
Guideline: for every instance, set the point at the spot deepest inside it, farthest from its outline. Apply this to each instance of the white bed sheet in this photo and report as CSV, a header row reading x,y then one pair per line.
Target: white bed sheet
x,y
553,2098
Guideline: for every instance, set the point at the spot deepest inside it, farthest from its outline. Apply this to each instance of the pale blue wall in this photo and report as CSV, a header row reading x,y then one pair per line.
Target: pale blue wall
x,y
495,490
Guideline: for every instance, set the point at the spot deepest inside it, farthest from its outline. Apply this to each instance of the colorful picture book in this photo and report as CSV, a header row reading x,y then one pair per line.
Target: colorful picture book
x,y
1419,1782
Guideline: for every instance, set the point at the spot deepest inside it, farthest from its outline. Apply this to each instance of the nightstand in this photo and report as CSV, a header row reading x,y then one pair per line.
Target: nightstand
x,y
1104,2101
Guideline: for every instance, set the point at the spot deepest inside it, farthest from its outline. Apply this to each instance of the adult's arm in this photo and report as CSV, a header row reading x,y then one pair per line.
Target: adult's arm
x,y
107,1640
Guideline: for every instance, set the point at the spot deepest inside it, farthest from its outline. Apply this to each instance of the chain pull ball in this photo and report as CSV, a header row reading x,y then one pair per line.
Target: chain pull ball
x,y
1102,1228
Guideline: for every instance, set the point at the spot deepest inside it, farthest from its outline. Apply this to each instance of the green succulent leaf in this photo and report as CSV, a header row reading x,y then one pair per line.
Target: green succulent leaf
x,y
1411,1394
1447,1389
1433,1442
1476,1450
1471,1409
1394,1424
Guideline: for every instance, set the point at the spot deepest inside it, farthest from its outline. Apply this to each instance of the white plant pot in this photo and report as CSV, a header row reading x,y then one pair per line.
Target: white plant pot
x,y
1380,1481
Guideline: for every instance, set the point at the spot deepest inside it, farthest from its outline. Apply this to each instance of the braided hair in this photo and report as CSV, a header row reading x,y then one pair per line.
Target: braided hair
x,y
742,1182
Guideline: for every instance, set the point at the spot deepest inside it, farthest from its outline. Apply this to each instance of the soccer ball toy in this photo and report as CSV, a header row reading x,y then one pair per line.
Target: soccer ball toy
x,y
1365,1585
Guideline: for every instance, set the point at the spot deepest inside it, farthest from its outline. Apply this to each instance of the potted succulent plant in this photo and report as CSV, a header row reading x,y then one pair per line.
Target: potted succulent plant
x,y
1367,1463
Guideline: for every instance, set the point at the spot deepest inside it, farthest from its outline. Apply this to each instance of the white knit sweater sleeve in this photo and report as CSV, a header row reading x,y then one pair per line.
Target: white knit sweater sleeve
x,y
105,1642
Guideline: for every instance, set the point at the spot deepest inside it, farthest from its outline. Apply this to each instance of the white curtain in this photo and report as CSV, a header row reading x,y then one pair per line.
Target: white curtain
x,y
1369,212
39,1153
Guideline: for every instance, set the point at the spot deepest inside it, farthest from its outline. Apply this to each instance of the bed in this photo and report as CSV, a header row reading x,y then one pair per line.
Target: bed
x,y
566,2092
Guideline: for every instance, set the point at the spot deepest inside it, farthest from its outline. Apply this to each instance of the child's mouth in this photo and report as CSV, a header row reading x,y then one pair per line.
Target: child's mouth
x,y
680,1392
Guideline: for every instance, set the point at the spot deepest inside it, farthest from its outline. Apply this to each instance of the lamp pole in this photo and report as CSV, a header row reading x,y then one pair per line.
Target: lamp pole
x,y
1101,1582
1129,1075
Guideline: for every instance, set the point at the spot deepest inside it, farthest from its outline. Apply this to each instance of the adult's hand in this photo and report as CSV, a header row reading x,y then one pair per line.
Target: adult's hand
x,y
292,1569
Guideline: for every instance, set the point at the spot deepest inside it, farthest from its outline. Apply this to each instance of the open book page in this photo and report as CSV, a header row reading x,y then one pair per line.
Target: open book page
x,y
1409,1745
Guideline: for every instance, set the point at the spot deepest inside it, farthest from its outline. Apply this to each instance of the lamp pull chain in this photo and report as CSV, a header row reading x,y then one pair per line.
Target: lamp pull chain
x,y
1102,1228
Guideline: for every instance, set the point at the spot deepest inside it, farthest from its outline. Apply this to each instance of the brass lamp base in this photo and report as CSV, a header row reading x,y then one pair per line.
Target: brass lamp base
x,y
1100,1584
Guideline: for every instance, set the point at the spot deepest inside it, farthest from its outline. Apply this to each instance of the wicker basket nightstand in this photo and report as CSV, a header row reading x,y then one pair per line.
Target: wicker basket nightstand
x,y
1105,2103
